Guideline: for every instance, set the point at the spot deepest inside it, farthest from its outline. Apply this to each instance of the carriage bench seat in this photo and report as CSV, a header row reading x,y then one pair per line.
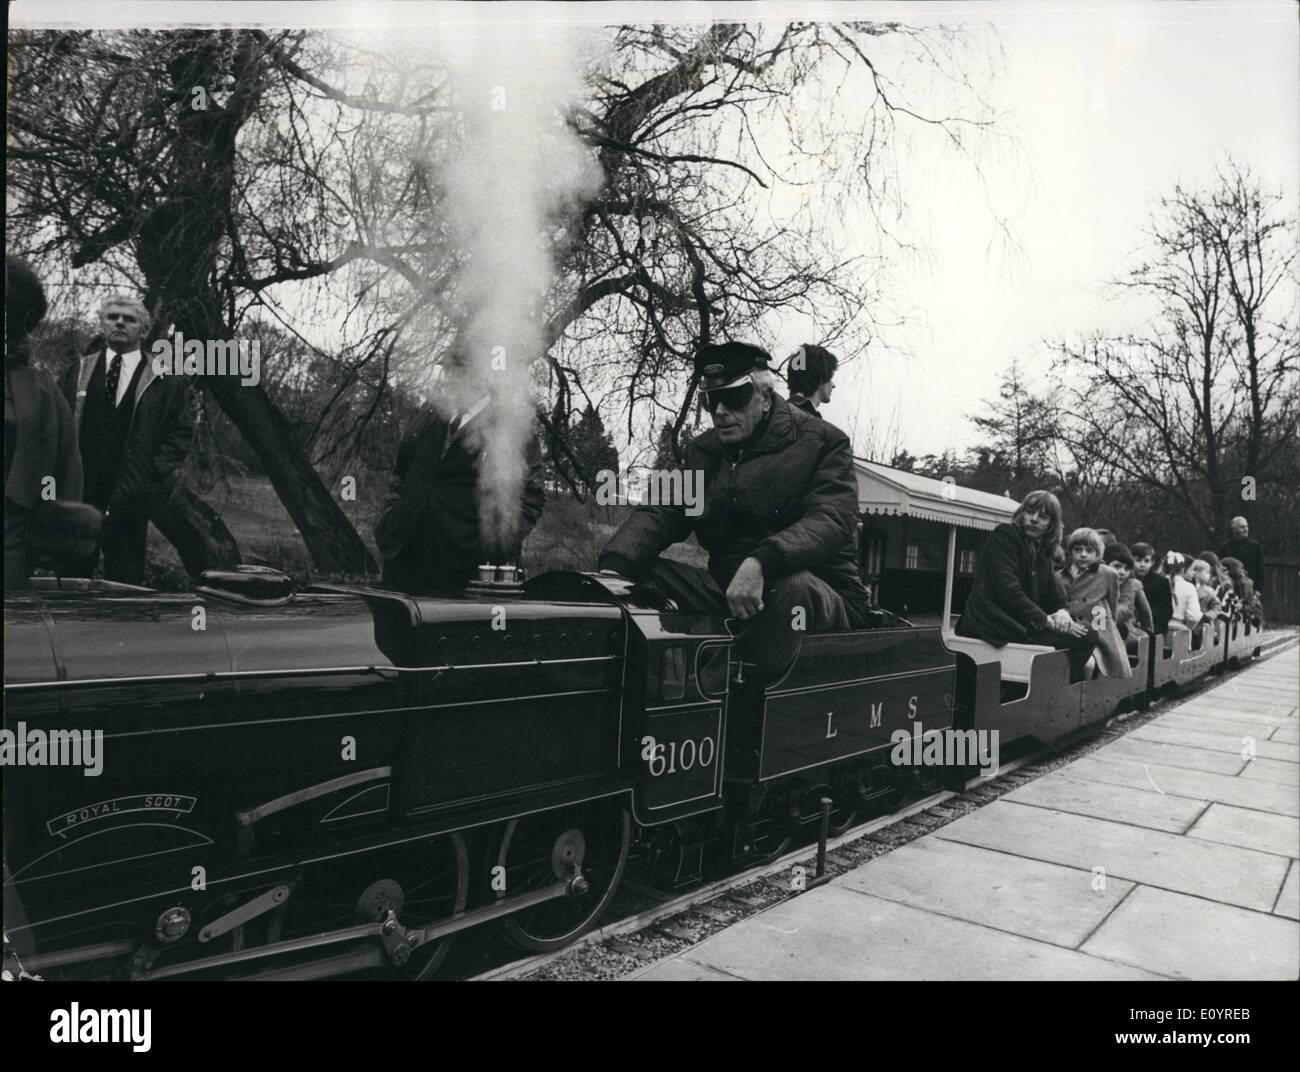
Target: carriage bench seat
x,y
1016,659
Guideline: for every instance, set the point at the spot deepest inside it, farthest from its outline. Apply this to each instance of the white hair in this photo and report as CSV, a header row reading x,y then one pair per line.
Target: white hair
x,y
764,380
127,301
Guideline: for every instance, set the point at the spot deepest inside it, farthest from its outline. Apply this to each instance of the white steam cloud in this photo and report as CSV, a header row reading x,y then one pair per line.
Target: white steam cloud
x,y
516,172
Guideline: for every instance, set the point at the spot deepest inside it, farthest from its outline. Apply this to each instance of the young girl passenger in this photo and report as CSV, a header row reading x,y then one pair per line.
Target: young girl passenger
x,y
1093,600
1187,612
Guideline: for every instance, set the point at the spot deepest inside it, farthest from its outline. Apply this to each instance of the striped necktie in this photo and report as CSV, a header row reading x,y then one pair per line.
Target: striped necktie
x,y
112,376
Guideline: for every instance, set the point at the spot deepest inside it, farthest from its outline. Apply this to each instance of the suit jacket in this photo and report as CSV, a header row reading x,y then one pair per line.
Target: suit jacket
x,y
805,404
158,440
1249,553
46,443
1012,592
790,500
432,507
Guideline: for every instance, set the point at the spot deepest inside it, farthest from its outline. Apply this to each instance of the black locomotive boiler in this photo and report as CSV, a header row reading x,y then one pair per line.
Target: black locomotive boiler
x,y
341,779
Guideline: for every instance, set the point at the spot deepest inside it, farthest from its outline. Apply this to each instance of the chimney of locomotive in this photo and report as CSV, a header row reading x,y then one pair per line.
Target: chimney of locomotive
x,y
497,582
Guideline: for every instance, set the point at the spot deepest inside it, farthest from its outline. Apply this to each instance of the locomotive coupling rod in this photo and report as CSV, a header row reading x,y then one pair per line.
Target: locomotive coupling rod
x,y
823,832
293,945
504,907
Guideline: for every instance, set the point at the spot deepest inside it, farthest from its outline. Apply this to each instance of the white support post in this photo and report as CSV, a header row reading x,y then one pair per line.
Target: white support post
x,y
947,582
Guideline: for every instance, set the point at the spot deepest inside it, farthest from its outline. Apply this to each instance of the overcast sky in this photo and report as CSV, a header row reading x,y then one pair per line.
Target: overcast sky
x,y
1110,104
1113,105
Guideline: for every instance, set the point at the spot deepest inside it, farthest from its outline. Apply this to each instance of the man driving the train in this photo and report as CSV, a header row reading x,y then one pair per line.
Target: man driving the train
x,y
778,517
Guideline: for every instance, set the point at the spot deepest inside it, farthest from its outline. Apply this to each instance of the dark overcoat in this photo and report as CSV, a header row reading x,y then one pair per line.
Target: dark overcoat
x,y
790,500
1012,593
429,533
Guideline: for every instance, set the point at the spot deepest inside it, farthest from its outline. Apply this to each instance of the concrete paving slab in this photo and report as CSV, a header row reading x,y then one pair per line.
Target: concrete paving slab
x,y
1218,742
1043,901
1172,755
1140,807
1288,901
834,933
1287,734
1191,938
1259,675
1177,781
1278,834
1280,704
1217,712
1272,770
1220,702
1224,873
1264,731
681,969
1262,690
1232,707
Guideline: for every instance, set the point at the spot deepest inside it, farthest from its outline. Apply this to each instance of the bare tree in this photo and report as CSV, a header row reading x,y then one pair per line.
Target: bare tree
x,y
240,177
1207,397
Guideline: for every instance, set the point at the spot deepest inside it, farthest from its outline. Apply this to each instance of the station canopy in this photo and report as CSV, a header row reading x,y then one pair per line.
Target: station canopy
x,y
882,490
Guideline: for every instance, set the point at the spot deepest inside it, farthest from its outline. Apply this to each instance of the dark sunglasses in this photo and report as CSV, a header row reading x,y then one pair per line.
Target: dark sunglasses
x,y
734,398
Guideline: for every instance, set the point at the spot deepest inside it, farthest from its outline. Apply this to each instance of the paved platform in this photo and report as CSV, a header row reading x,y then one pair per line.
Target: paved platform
x,y
1170,853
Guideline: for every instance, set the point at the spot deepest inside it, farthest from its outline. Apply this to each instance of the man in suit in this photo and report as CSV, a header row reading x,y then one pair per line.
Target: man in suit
x,y
430,533
1246,551
134,429
811,377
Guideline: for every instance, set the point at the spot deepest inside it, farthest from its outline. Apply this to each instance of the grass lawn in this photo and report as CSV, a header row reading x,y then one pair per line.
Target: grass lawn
x,y
569,535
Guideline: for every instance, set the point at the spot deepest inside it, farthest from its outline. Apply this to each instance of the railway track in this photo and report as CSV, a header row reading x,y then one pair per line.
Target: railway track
x,y
653,924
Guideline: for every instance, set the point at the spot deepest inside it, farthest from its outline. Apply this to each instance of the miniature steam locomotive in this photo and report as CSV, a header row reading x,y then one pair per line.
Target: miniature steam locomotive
x,y
339,780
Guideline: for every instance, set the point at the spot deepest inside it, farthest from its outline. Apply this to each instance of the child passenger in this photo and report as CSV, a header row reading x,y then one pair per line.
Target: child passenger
x,y
1202,576
1251,607
1187,612
1094,600
1134,611
1159,594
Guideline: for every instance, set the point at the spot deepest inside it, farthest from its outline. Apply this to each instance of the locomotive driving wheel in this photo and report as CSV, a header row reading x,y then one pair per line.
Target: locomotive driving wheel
x,y
771,829
845,799
585,847
421,882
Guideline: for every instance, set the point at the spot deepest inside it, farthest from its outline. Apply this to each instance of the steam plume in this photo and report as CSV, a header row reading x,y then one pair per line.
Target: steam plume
x,y
516,173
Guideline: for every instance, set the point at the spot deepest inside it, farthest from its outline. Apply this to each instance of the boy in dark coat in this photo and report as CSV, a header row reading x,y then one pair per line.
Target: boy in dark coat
x,y
1155,587
1133,610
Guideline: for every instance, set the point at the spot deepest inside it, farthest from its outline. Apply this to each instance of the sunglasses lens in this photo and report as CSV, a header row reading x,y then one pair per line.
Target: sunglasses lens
x,y
731,397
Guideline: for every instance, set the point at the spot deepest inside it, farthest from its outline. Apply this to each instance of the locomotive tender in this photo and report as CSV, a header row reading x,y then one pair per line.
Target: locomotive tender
x,y
340,779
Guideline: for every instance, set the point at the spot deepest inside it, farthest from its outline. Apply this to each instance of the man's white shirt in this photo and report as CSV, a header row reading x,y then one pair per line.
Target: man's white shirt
x,y
129,364
461,419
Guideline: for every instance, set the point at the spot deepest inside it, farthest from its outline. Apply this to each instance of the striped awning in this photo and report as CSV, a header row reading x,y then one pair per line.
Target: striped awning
x,y
886,491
